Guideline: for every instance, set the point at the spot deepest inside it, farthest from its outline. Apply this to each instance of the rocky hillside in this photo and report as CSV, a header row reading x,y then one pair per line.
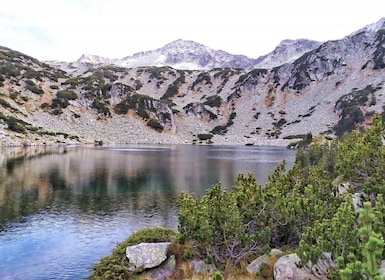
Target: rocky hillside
x,y
333,88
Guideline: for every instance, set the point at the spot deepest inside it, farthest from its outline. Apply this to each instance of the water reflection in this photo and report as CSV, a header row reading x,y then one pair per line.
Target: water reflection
x,y
81,201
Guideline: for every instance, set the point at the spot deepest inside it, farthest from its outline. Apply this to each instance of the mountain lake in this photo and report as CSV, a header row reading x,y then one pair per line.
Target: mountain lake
x,y
64,208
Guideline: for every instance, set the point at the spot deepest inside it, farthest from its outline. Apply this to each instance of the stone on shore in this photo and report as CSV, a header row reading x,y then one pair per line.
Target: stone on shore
x,y
286,269
146,255
255,265
199,266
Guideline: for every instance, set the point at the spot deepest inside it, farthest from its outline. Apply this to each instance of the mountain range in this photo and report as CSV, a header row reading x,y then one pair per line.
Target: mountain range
x,y
188,93
190,55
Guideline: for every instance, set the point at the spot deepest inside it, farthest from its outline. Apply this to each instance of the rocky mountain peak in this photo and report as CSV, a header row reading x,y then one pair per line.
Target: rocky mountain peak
x,y
185,45
374,27
287,51
94,59
189,55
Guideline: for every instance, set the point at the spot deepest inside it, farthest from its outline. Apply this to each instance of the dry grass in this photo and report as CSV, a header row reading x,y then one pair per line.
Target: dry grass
x,y
185,272
270,97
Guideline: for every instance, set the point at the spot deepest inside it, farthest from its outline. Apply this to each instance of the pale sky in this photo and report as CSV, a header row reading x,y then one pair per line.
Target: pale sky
x,y
65,29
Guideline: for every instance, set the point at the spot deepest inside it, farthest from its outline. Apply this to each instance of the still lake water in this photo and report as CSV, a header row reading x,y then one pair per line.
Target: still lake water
x,y
62,209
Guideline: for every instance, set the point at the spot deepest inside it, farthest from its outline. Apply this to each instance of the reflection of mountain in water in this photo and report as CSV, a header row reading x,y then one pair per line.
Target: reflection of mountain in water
x,y
108,179
85,179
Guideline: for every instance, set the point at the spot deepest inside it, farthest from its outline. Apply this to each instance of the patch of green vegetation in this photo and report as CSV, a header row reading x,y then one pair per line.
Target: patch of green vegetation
x,y
138,102
72,82
251,76
143,105
202,77
138,85
173,89
67,94
58,103
225,73
32,74
101,108
109,75
280,123
295,136
4,103
54,74
349,108
30,85
58,133
205,136
9,69
115,266
17,125
155,125
156,72
197,108
222,129
213,101
235,95
256,116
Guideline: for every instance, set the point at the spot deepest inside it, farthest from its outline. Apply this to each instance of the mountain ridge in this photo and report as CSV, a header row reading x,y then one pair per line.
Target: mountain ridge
x,y
329,90
189,55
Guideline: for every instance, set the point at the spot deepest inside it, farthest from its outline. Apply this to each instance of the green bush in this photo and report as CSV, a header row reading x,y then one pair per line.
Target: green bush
x,y
101,108
67,94
32,74
59,103
222,129
224,225
202,77
14,124
115,266
4,103
205,136
213,101
155,125
30,85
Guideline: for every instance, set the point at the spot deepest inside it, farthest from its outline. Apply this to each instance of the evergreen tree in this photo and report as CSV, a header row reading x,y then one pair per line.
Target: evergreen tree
x,y
297,201
361,159
355,243
225,226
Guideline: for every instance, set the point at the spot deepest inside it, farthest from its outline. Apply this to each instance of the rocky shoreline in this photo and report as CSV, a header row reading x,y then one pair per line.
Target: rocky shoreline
x,y
118,131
